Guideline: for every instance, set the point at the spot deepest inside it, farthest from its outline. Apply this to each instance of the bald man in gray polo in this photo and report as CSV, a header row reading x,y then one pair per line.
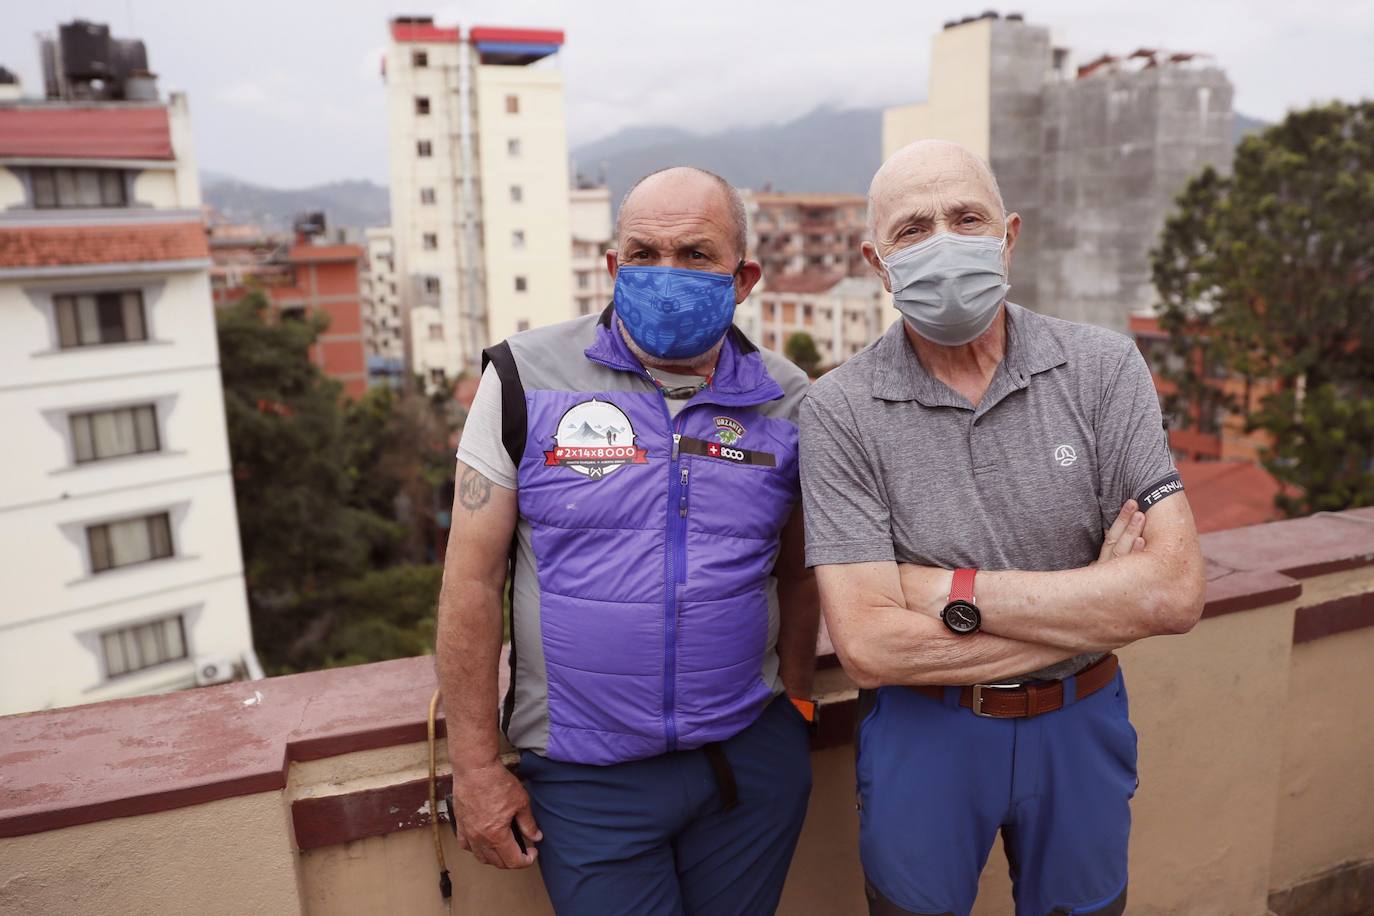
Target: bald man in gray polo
x,y
991,508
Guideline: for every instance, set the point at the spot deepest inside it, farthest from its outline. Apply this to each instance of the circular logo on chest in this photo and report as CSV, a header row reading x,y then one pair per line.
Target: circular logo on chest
x,y
593,439
1065,455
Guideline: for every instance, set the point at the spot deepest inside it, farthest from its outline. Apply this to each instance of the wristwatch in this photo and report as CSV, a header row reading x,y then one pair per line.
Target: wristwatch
x,y
961,614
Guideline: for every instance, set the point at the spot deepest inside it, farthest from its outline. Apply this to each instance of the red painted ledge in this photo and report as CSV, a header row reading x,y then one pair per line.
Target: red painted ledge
x,y
137,756
1340,615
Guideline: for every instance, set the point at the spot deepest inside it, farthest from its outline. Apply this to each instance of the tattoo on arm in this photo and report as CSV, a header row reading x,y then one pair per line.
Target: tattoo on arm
x,y
474,490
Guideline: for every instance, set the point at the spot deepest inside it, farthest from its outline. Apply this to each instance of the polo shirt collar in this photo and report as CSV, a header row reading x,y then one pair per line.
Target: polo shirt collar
x,y
899,375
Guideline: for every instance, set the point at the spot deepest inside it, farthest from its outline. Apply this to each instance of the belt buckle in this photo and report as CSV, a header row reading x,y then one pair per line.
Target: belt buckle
x,y
978,697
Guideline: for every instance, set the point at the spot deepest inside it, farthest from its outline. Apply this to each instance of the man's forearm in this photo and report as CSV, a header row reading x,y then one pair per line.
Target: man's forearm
x,y
467,658
898,646
1093,609
799,617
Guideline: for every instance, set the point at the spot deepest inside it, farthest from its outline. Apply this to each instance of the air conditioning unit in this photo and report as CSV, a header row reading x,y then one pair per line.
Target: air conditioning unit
x,y
211,670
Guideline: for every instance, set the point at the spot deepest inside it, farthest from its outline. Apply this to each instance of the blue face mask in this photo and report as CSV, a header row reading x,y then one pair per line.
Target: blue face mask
x,y
674,313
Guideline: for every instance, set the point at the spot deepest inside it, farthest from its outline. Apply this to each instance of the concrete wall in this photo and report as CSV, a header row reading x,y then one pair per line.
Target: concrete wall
x,y
1325,804
1253,759
1117,149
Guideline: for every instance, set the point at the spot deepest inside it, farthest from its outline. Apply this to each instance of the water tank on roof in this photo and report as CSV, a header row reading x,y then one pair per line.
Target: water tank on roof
x,y
140,86
86,50
309,224
128,55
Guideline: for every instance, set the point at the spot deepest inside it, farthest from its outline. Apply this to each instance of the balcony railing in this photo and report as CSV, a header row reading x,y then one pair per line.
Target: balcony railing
x,y
308,793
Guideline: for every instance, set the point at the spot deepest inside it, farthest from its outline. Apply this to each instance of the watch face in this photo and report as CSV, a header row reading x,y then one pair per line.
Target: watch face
x,y
961,617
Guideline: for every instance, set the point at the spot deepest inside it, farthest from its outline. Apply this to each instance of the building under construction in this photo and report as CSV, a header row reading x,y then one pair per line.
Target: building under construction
x,y
1091,156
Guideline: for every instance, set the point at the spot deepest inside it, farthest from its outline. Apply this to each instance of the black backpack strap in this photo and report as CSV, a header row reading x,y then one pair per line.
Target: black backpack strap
x,y
514,428
514,420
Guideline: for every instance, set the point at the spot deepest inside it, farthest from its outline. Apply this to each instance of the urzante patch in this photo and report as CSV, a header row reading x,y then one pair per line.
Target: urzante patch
x,y
729,430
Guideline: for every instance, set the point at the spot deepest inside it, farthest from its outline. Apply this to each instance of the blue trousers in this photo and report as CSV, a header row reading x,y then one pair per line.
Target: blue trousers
x,y
936,784
652,837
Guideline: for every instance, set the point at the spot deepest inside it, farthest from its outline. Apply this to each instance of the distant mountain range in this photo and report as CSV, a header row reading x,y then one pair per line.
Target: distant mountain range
x,y
356,204
832,150
829,150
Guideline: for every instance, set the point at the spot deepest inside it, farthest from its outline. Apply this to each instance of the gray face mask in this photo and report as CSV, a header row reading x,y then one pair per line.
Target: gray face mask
x,y
948,287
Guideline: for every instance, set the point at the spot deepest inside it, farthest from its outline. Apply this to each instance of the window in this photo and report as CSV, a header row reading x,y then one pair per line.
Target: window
x,y
521,285
421,105
806,313
436,332
419,58
143,646
430,241
293,313
584,280
513,147
78,188
423,149
517,194
432,285
522,325
426,195
584,305
112,433
517,238
512,104
87,319
134,540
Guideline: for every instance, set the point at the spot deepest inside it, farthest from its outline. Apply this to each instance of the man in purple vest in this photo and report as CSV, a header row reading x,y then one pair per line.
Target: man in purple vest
x,y
635,473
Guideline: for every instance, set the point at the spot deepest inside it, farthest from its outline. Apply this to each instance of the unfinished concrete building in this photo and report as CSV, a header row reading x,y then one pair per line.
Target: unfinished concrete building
x,y
1091,156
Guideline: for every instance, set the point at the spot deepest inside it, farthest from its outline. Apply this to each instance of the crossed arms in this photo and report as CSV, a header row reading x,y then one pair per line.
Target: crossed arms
x,y
884,618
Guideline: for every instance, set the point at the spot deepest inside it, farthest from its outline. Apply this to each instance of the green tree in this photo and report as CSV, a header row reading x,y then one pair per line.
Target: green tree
x,y
1268,275
321,486
801,349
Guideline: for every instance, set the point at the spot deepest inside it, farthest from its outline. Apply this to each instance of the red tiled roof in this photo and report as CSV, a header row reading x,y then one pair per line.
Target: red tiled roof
x,y
421,31
300,253
801,283
1229,494
70,245
85,133
520,36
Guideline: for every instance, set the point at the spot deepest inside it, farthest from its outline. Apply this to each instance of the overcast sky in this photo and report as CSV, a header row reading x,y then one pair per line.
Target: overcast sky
x,y
287,93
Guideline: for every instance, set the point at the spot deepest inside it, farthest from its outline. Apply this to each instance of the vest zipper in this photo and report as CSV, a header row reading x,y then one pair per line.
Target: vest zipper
x,y
682,521
676,563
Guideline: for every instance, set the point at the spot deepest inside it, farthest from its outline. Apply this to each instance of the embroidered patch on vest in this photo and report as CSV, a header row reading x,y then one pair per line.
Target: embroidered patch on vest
x,y
593,439
728,430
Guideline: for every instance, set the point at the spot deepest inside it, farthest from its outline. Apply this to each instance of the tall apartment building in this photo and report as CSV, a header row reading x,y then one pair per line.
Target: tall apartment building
x,y
382,325
809,233
592,236
122,567
1092,156
479,187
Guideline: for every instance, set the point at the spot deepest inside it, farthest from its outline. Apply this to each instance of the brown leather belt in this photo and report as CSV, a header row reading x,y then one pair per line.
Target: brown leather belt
x,y
1021,701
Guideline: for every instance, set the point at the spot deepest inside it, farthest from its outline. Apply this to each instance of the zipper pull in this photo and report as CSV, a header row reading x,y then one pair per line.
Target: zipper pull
x,y
682,499
677,438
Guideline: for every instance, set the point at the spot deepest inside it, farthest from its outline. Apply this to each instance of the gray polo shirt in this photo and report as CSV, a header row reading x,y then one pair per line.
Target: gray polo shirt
x,y
896,465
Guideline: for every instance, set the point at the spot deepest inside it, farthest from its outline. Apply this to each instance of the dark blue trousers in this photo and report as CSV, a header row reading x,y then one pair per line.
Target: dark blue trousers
x,y
651,837
937,783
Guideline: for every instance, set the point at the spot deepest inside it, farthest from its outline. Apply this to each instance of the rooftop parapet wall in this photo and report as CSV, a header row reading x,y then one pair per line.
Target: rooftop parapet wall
x,y
1252,734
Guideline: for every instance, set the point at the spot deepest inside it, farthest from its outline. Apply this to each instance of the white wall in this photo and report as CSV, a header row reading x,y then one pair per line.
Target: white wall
x,y
541,170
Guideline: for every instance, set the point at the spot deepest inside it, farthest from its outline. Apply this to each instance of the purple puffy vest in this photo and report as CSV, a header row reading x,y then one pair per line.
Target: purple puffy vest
x,y
644,614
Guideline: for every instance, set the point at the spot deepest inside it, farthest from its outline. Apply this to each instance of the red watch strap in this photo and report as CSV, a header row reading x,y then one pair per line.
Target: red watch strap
x,y
962,589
